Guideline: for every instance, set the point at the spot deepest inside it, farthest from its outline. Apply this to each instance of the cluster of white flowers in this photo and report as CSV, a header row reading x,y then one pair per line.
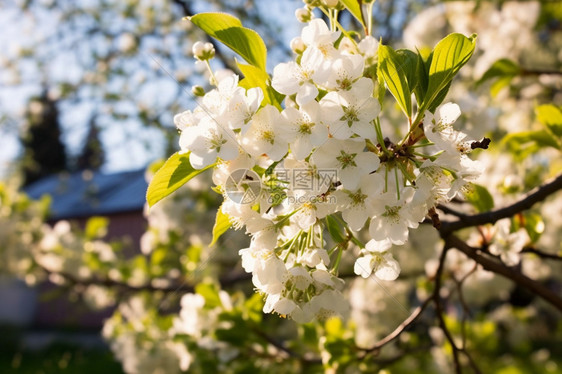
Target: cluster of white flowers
x,y
140,343
323,153
198,322
146,342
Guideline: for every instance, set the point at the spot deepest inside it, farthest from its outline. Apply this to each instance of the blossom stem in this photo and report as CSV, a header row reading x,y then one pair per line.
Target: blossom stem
x,y
310,239
293,240
339,26
424,156
369,12
397,183
380,137
386,178
422,145
338,259
214,80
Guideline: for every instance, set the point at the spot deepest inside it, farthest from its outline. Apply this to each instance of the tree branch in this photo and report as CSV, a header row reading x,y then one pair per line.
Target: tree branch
x,y
436,298
225,281
399,330
528,72
541,254
440,311
498,268
539,194
280,346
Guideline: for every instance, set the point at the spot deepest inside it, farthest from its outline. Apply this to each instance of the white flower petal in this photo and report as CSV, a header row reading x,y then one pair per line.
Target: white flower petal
x,y
388,269
449,113
364,266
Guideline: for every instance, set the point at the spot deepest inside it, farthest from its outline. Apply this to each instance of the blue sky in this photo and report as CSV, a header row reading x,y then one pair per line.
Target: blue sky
x,y
129,144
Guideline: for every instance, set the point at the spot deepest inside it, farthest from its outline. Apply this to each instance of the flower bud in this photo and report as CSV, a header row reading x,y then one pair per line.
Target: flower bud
x,y
127,43
297,45
330,3
303,15
198,91
203,51
312,3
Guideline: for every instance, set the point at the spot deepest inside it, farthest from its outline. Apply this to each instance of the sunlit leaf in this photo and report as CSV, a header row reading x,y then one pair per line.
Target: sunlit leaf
x,y
501,68
551,116
408,62
395,77
522,144
229,30
480,198
254,77
354,7
534,225
222,224
210,293
422,79
175,172
499,85
448,56
96,227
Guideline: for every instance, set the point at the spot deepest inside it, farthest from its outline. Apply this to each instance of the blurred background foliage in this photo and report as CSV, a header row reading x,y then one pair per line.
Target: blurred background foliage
x,y
94,84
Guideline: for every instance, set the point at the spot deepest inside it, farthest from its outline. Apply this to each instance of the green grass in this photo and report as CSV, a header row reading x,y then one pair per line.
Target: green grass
x,y
57,359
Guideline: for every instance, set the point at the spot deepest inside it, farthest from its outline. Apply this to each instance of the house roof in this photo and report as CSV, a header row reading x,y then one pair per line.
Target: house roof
x,y
89,193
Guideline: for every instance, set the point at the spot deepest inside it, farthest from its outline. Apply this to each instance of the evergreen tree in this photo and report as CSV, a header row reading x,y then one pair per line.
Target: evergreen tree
x,y
92,156
43,151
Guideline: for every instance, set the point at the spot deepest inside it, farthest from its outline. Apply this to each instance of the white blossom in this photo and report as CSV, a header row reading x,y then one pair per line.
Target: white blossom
x,y
304,129
376,259
348,158
507,244
352,111
207,141
265,134
292,78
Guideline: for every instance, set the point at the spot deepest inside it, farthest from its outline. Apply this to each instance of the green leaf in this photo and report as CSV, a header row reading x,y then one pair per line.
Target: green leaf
x,y
422,78
158,256
308,334
380,89
534,225
395,78
522,144
480,198
334,328
408,61
96,227
448,56
499,85
334,229
253,308
222,224
354,7
439,99
175,172
154,166
501,68
254,77
229,30
210,293
235,331
550,116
